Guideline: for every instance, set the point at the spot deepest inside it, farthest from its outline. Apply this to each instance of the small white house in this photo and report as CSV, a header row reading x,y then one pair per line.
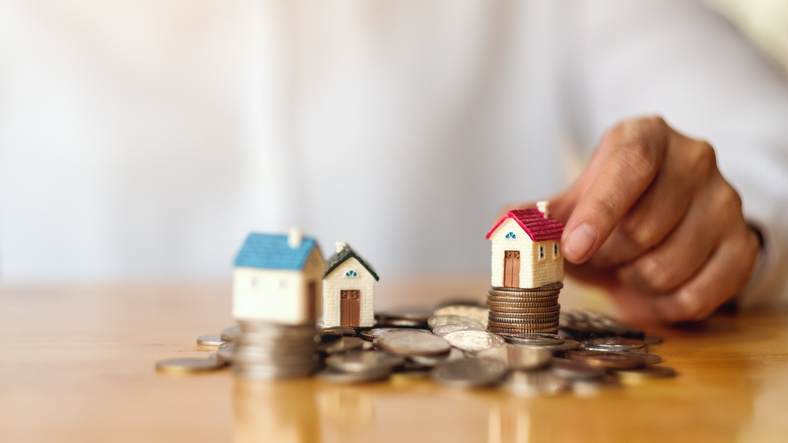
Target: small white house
x,y
526,249
278,278
348,290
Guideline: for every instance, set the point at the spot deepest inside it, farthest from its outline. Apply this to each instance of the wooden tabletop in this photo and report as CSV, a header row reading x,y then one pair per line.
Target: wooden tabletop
x,y
77,364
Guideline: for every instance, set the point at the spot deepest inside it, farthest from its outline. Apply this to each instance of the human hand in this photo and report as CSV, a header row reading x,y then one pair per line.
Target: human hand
x,y
653,220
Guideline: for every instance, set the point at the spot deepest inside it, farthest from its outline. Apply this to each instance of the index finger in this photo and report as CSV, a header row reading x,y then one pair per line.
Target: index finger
x,y
634,155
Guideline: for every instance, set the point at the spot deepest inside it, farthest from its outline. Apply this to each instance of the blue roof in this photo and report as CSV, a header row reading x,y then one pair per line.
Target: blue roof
x,y
271,251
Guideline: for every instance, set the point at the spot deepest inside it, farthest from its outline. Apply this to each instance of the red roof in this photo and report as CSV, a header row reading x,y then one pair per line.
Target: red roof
x,y
534,224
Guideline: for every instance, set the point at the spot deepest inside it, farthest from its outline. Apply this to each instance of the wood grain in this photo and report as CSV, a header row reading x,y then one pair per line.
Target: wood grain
x,y
77,364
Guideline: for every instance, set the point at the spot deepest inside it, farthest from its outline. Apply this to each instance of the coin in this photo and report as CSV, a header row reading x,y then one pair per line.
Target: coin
x,y
574,370
210,340
225,352
469,373
342,345
336,376
372,334
346,331
231,333
523,316
534,338
447,329
410,342
546,288
610,360
440,320
652,339
474,340
188,365
401,320
655,371
454,354
522,299
363,361
649,359
567,345
518,357
548,308
535,383
618,344
478,313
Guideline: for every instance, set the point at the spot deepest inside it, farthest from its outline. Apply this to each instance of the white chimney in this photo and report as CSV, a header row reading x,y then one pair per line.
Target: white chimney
x,y
294,238
340,246
542,206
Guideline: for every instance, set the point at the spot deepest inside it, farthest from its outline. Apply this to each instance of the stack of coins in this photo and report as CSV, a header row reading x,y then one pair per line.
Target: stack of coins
x,y
270,351
523,311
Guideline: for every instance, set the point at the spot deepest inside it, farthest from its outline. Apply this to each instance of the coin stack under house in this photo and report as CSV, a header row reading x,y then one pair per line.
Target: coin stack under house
x,y
267,350
527,270
521,311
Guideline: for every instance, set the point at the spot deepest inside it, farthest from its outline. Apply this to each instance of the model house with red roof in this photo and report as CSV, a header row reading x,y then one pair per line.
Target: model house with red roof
x,y
526,249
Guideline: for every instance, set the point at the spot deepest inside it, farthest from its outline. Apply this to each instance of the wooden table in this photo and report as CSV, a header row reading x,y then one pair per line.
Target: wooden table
x,y
77,364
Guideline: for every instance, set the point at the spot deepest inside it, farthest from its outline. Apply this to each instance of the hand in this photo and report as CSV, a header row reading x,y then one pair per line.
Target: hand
x,y
653,220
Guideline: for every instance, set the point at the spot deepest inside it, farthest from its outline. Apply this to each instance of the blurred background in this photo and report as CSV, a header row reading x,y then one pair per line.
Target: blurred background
x,y
143,140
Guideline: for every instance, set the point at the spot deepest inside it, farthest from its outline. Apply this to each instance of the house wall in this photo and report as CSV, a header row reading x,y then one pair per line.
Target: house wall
x,y
277,295
533,272
336,282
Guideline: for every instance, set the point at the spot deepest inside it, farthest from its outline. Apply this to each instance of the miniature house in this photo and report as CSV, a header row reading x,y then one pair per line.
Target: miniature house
x,y
348,290
526,249
278,278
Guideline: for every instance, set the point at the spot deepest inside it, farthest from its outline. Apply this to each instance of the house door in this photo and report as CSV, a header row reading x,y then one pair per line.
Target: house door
x,y
511,269
350,307
311,300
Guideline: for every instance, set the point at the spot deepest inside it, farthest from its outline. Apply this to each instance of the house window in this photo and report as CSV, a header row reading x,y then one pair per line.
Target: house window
x,y
555,250
541,252
351,273
511,235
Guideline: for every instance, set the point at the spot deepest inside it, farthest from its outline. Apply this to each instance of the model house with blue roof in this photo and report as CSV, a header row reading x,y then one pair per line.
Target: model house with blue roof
x,y
278,278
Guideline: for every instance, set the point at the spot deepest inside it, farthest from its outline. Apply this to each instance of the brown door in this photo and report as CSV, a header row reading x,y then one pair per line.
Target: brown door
x,y
350,307
511,269
311,299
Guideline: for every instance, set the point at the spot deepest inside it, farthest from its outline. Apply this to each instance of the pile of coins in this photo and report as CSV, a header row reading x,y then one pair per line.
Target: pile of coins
x,y
452,348
519,311
270,351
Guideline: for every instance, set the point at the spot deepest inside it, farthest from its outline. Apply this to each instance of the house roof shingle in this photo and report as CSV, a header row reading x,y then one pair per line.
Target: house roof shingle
x,y
342,256
534,224
271,251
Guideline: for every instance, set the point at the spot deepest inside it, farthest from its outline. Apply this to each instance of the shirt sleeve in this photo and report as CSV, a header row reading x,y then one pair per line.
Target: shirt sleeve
x,y
680,60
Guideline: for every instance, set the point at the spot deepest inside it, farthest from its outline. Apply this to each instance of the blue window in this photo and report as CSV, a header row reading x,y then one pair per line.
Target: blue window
x,y
511,235
351,273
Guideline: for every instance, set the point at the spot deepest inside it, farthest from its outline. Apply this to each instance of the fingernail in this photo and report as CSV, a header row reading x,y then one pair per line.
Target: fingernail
x,y
580,241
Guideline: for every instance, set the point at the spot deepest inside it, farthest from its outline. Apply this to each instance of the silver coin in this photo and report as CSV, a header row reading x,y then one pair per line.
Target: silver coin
x,y
412,342
336,376
518,357
535,383
478,313
188,365
231,333
535,338
342,345
346,331
432,361
617,344
210,340
574,370
372,334
469,373
225,352
363,361
474,340
440,320
567,345
447,329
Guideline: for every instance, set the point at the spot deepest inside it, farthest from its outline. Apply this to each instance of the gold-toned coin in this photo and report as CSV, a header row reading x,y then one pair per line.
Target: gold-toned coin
x,y
188,365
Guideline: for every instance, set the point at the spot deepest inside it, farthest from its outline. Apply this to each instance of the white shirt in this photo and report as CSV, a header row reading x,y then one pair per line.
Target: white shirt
x,y
144,140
